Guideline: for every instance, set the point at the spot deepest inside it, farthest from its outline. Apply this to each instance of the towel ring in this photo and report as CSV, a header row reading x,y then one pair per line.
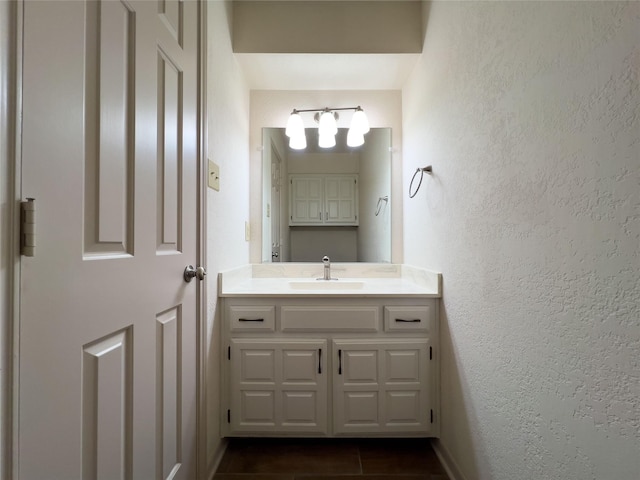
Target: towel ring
x,y
379,205
427,169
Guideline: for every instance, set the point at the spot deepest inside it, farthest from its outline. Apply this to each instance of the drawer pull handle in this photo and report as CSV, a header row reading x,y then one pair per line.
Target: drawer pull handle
x,y
251,319
320,360
339,362
415,320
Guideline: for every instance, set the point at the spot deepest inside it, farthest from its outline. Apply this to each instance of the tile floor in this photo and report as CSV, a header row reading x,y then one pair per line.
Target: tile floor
x,y
324,459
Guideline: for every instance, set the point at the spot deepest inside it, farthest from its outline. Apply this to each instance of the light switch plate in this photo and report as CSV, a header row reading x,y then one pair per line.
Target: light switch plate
x,y
214,176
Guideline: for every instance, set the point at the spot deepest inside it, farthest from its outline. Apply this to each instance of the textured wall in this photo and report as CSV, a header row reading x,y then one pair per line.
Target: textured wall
x,y
227,210
530,115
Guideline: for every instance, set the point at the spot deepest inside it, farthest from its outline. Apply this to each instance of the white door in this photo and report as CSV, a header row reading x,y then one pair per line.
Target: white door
x,y
107,354
278,386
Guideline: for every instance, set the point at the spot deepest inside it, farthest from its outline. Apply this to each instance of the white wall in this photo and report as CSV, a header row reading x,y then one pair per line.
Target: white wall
x,y
530,115
228,209
271,108
310,244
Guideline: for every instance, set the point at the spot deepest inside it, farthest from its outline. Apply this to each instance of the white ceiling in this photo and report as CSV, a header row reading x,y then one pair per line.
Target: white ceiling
x,y
285,71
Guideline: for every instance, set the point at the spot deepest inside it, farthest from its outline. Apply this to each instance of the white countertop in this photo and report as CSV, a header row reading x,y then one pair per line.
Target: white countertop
x,y
353,280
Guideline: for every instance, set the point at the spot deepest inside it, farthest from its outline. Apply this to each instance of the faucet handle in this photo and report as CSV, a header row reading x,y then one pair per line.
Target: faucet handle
x,y
325,260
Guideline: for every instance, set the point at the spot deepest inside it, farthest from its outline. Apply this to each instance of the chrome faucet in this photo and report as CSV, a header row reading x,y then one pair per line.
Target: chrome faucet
x,y
327,268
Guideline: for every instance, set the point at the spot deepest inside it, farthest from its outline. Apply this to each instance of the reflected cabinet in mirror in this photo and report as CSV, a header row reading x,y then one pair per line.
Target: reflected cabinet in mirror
x,y
326,201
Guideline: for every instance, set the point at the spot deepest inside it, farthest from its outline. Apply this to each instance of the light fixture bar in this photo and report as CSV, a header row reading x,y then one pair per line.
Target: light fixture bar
x,y
296,110
327,120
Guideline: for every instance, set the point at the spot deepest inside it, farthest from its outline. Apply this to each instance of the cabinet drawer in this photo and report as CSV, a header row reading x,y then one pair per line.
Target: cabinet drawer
x,y
260,318
414,318
353,319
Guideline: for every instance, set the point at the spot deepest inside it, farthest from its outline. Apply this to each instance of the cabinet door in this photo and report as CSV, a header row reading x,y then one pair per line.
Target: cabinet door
x,y
306,200
278,386
382,386
341,200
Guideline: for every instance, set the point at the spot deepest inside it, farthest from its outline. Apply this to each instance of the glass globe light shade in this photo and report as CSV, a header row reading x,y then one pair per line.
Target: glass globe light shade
x,y
354,138
326,141
295,125
359,122
328,125
298,142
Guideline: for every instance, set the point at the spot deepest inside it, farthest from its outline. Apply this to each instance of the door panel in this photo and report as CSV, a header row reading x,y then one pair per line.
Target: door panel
x,y
106,407
109,108
107,324
171,13
169,161
168,390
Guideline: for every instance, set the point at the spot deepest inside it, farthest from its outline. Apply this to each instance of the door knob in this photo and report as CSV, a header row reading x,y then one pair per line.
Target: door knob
x,y
190,272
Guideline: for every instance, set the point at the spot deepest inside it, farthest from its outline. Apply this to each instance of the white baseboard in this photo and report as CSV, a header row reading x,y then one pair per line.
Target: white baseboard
x,y
217,458
450,466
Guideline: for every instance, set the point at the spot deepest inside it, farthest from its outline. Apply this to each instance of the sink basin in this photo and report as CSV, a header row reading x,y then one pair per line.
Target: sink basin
x,y
326,285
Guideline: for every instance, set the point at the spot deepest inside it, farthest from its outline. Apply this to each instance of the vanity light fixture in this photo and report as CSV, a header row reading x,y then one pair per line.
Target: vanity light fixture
x,y
327,127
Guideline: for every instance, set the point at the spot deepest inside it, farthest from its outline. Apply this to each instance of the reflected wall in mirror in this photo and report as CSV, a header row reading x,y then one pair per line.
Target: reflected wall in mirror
x,y
353,226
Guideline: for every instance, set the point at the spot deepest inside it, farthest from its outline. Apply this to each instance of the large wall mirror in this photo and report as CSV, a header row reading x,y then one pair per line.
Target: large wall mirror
x,y
341,199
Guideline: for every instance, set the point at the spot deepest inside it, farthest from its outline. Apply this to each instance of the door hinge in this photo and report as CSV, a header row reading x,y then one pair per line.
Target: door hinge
x,y
229,416
28,228
229,352
432,416
430,353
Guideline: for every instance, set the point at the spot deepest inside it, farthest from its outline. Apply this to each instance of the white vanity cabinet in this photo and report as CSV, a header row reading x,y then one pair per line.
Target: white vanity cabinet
x,y
313,366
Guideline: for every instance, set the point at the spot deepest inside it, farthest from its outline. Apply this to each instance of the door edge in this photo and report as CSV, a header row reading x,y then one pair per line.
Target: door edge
x,y
11,17
201,247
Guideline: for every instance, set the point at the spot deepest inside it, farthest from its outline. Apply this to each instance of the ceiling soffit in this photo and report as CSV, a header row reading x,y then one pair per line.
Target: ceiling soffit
x,y
328,27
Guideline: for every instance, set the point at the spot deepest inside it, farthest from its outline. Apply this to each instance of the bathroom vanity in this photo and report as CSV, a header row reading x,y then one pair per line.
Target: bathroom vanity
x,y
356,356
